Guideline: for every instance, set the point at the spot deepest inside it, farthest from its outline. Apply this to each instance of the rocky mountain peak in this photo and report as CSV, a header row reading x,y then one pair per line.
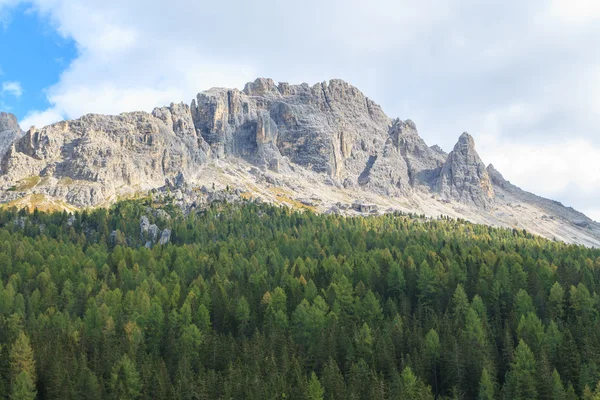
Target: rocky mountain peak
x,y
496,177
466,140
260,87
464,177
325,142
7,120
9,131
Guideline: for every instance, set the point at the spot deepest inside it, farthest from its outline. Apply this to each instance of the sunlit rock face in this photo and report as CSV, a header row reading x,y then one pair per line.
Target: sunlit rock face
x,y
278,139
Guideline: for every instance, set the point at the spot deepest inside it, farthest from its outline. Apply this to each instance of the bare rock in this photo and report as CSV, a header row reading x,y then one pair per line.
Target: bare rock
x,y
153,232
10,131
144,226
165,237
463,176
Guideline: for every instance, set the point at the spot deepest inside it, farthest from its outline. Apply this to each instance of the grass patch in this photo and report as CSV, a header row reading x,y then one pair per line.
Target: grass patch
x,y
65,181
294,203
28,183
40,202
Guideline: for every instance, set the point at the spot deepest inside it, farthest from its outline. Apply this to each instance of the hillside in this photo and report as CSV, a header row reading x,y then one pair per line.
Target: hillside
x,y
284,143
259,302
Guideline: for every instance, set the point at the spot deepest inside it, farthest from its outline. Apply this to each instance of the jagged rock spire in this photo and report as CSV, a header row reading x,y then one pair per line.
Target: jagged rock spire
x,y
9,131
464,177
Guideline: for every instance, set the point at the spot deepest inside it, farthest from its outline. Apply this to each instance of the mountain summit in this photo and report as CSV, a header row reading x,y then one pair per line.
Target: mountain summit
x,y
327,143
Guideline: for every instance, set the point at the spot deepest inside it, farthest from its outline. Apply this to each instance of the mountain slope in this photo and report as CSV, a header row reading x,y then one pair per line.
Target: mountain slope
x,y
286,143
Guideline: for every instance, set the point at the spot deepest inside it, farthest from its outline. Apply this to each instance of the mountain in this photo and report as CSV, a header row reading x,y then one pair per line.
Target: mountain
x,y
9,131
324,146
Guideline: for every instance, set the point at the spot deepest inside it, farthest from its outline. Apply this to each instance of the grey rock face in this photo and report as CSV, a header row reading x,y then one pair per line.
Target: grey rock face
x,y
320,127
112,238
165,237
144,226
90,159
10,131
294,136
329,128
423,163
147,230
497,178
463,176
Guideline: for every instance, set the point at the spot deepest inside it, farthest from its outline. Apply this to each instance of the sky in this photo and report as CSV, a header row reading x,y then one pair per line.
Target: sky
x,y
523,77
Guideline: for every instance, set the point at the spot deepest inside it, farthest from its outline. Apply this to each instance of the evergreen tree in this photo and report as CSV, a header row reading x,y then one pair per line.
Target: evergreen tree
x,y
23,387
412,388
315,390
520,380
432,355
486,387
125,380
333,381
21,358
558,390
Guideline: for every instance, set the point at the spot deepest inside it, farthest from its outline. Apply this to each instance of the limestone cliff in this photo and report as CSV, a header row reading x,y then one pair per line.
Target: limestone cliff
x,y
295,144
10,131
464,177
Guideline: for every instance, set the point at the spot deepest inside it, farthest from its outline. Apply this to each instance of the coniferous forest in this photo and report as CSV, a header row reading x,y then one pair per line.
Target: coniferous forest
x,y
260,302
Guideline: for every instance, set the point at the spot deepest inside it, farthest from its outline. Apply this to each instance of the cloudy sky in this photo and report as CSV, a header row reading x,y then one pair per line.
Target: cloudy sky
x,y
523,77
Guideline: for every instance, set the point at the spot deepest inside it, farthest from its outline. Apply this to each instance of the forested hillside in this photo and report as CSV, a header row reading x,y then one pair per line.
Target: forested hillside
x,y
261,302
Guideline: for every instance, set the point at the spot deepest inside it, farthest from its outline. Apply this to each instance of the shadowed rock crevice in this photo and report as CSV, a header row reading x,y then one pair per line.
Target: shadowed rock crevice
x,y
365,176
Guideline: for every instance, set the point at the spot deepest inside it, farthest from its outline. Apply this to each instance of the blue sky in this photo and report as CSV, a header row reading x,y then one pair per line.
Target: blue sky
x,y
34,55
523,77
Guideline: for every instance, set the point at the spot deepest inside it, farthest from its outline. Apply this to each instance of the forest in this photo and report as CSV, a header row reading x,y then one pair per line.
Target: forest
x,y
255,301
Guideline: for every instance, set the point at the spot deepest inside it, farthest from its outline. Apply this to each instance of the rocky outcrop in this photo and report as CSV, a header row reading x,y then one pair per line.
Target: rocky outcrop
x,y
330,128
464,177
279,139
497,178
10,131
423,163
89,160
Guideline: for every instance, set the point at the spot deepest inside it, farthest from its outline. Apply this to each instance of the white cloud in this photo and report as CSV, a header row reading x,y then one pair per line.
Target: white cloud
x,y
574,12
567,169
12,88
5,5
521,76
41,118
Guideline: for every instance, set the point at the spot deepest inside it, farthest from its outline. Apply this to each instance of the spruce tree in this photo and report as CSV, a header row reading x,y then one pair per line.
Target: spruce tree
x,y
124,380
315,390
486,386
23,387
520,379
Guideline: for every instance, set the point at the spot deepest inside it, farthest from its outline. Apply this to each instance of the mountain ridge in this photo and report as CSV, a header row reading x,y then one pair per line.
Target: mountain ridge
x,y
327,141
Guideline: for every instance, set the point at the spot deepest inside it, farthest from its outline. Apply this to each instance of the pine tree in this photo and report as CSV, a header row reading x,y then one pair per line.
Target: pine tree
x,y
23,387
570,393
413,388
125,381
432,355
315,390
520,380
242,314
21,359
87,386
333,381
556,301
544,377
486,387
558,390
